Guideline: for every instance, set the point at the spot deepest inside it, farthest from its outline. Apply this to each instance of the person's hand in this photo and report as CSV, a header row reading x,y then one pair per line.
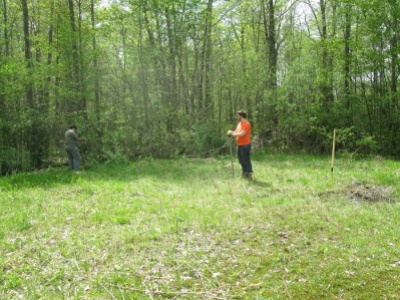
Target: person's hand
x,y
229,132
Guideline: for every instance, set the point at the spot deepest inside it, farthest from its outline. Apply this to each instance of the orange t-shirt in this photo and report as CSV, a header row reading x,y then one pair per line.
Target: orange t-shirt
x,y
243,140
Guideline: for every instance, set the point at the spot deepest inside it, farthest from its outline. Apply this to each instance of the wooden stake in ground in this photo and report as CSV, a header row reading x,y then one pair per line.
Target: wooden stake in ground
x,y
333,149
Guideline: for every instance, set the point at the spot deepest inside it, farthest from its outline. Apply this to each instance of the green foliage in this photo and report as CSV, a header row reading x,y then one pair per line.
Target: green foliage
x,y
205,139
13,160
163,78
367,145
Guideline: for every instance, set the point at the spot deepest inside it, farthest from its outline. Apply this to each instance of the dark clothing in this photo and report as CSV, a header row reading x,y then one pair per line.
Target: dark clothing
x,y
74,158
71,139
244,158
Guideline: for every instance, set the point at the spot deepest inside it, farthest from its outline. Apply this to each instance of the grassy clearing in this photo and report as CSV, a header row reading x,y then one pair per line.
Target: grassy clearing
x,y
184,229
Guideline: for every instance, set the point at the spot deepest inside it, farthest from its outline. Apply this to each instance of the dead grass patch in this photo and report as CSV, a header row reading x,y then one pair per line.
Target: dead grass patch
x,y
361,191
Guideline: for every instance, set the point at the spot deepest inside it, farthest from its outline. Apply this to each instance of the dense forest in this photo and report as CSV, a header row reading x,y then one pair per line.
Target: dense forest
x,y
163,78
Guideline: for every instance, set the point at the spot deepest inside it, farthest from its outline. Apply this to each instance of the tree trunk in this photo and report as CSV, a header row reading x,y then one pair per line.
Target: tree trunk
x,y
5,32
347,57
95,64
272,47
79,103
326,85
206,63
268,111
28,55
171,95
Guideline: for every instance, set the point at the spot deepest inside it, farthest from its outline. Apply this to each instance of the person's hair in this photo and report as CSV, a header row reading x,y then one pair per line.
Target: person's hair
x,y
242,113
73,127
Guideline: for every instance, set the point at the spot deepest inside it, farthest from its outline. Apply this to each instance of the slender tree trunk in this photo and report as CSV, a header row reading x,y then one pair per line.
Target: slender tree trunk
x,y
77,104
95,144
326,85
394,119
171,79
172,83
5,32
142,72
28,55
33,132
2,80
268,15
206,62
347,57
95,63
272,46
6,50
81,67
394,57
268,110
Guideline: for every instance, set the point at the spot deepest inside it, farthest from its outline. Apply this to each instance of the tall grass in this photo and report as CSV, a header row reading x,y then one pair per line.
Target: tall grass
x,y
185,229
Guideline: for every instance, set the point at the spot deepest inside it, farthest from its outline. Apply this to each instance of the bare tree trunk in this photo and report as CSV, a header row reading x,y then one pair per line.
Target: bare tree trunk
x,y
267,111
347,57
326,85
206,62
28,55
95,64
394,60
32,134
5,33
272,46
7,48
79,103
171,95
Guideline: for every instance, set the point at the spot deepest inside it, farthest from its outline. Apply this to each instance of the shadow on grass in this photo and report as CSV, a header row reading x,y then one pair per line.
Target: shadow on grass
x,y
261,184
42,178
173,170
206,170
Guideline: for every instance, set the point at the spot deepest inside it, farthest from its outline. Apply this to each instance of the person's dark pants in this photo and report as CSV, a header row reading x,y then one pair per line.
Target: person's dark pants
x,y
244,158
74,158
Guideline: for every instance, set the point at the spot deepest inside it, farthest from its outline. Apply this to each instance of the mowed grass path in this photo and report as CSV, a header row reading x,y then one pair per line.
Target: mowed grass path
x,y
185,229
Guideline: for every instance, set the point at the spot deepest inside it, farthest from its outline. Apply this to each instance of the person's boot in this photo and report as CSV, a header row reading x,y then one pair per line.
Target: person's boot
x,y
249,176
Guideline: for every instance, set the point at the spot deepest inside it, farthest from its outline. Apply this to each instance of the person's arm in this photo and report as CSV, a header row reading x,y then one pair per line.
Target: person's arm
x,y
241,130
237,133
75,136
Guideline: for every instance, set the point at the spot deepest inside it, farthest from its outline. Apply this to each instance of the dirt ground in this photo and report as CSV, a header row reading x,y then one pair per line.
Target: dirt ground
x,y
360,191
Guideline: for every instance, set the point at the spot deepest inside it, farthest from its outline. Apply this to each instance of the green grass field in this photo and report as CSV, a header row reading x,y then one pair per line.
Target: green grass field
x,y
185,229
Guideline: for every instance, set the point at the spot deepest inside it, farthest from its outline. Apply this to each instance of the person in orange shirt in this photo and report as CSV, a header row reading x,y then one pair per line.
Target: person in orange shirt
x,y
242,133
